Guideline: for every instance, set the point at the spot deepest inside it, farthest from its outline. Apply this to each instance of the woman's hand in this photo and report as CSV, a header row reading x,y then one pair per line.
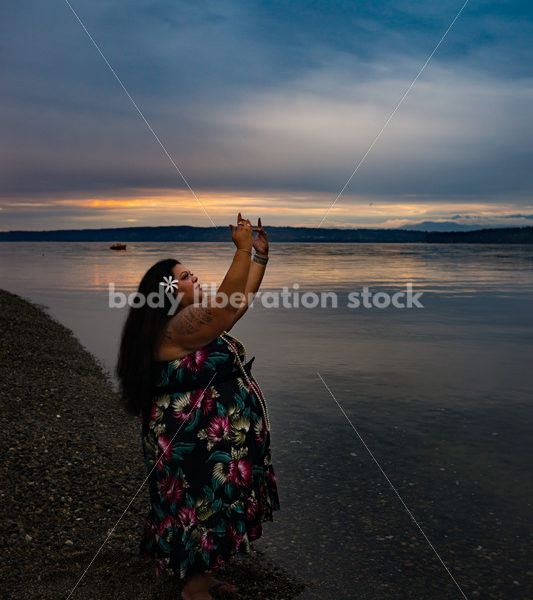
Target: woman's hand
x,y
261,239
242,235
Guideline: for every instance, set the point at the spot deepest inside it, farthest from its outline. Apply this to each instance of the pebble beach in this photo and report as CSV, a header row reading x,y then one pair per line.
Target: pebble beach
x,y
73,494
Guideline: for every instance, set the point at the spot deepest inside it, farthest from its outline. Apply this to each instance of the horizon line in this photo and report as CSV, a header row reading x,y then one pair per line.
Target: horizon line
x,y
270,226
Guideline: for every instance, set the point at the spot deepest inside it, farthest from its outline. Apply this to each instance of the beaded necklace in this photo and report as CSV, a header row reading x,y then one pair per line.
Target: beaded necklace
x,y
250,386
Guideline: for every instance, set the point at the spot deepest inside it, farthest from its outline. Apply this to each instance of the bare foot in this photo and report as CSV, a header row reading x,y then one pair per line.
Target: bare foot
x,y
198,586
223,585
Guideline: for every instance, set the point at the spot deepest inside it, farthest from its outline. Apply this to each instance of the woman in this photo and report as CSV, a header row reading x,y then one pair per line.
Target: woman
x,y
205,426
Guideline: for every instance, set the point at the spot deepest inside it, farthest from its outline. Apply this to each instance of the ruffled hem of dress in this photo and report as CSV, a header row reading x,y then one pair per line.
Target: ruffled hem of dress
x,y
183,565
224,555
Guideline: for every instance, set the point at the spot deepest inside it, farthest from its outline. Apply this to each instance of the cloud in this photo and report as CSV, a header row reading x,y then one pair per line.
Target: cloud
x,y
306,136
273,99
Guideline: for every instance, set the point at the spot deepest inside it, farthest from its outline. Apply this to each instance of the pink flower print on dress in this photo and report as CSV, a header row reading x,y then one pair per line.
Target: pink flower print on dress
x,y
187,516
203,399
150,529
271,477
163,451
239,349
240,471
207,541
194,362
233,536
255,388
250,508
172,489
183,414
168,521
260,431
219,426
255,531
219,562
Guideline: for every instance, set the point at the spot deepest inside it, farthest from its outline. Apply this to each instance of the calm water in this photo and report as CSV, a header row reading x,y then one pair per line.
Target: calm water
x,y
440,396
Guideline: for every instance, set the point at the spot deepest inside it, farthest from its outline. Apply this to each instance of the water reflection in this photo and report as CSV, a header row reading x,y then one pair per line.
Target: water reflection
x,y
442,395
458,269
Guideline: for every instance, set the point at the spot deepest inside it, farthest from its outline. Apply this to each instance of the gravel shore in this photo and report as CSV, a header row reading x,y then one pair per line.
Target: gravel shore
x,y
72,462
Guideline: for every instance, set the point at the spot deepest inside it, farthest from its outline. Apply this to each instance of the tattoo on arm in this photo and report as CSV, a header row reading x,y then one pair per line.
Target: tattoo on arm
x,y
191,319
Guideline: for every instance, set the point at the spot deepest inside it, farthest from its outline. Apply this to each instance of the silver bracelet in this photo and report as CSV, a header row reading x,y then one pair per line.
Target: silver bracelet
x,y
259,258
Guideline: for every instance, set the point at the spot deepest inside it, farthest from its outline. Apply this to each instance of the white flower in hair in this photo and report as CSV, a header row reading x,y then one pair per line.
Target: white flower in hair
x,y
169,283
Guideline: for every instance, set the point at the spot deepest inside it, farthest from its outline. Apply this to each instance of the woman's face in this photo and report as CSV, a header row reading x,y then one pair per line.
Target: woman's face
x,y
187,285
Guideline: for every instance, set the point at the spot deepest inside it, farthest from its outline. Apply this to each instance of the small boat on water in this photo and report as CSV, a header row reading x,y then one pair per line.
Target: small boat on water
x,y
118,247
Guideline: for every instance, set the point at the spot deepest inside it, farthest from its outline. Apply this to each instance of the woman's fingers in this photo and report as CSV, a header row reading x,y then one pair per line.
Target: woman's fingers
x,y
242,221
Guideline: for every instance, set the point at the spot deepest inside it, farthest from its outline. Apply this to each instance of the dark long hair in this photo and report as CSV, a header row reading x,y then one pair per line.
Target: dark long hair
x,y
141,330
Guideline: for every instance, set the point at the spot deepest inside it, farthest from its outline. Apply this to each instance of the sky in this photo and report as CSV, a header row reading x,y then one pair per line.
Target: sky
x,y
266,108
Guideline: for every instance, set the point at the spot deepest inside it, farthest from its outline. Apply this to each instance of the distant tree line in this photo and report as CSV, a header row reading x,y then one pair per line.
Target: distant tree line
x,y
186,233
507,235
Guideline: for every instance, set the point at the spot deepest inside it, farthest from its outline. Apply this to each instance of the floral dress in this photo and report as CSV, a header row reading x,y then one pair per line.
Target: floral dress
x,y
206,445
